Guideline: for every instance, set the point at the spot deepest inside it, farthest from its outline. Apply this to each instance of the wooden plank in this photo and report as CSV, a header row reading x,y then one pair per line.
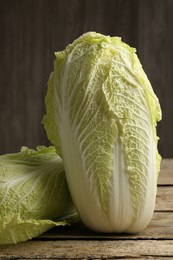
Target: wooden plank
x,y
88,249
164,199
160,227
166,172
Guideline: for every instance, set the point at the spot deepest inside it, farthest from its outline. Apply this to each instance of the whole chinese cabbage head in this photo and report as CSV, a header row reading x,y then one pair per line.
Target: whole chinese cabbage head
x,y
34,196
101,117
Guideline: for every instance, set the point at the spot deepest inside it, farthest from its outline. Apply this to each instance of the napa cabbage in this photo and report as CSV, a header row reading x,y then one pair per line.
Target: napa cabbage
x,y
34,196
101,117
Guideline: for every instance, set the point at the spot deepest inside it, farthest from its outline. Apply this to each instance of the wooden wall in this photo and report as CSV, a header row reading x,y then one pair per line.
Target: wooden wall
x,y
32,30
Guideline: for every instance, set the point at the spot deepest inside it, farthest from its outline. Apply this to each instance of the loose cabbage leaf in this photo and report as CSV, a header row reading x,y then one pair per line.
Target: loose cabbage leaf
x,y
101,117
33,194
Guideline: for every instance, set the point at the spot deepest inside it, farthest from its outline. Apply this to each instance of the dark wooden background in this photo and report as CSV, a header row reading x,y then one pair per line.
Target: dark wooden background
x,y
32,30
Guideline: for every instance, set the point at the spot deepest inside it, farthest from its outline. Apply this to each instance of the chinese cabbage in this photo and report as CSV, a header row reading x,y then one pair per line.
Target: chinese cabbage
x,y
33,194
101,117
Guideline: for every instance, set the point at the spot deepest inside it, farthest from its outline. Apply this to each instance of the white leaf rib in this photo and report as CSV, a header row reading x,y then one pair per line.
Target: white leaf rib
x,y
83,136
90,119
88,86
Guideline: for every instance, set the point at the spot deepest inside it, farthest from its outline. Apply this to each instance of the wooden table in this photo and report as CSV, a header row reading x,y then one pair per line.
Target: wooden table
x,y
155,242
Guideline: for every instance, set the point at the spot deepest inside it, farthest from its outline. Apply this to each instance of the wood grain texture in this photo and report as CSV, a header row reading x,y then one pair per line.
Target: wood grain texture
x,y
92,249
164,199
31,31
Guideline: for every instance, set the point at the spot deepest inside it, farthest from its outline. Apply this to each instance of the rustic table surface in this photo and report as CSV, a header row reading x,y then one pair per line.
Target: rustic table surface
x,y
155,242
